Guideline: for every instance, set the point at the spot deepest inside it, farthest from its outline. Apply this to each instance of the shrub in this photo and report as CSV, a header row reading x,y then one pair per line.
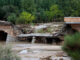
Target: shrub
x,y
7,54
72,46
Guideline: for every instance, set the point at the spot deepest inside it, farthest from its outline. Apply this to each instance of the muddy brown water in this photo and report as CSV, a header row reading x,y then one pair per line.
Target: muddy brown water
x,y
28,51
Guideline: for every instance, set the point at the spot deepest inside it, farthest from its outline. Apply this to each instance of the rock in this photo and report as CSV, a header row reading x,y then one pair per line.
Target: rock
x,y
61,58
23,52
36,51
45,58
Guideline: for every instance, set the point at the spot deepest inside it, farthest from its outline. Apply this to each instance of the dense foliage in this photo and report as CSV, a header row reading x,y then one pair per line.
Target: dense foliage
x,y
72,46
43,10
25,18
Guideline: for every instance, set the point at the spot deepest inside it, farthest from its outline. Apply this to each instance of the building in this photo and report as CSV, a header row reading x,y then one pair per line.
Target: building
x,y
74,22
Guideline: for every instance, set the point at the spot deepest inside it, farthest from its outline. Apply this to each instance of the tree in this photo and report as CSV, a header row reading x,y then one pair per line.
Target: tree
x,y
28,5
49,10
72,45
25,18
7,10
12,18
54,12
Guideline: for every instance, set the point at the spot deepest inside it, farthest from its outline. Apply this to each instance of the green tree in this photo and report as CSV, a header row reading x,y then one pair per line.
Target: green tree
x,y
28,5
55,9
72,46
7,10
25,18
54,12
12,18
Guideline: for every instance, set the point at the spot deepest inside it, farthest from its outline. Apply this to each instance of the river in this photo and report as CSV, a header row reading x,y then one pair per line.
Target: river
x,y
29,51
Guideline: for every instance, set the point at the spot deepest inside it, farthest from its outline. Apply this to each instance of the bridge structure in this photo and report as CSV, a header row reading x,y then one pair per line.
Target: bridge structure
x,y
34,36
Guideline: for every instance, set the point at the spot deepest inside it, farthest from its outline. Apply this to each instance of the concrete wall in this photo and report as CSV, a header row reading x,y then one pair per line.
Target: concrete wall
x,y
72,19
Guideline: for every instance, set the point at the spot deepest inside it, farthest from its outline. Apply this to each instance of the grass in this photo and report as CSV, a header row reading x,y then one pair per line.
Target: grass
x,y
7,54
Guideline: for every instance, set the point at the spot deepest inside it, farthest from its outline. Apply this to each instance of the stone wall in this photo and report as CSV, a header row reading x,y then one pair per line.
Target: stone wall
x,y
11,37
7,29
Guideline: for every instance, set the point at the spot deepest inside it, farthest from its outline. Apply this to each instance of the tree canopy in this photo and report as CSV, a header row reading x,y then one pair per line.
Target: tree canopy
x,y
43,10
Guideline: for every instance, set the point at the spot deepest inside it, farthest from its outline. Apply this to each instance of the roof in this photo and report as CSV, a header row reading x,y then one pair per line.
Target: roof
x,y
4,23
72,20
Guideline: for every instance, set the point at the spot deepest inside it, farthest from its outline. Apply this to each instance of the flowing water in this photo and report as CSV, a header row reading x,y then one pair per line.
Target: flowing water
x,y
29,51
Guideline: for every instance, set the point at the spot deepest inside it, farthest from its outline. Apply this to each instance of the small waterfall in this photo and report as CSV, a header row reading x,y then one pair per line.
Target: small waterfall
x,y
33,40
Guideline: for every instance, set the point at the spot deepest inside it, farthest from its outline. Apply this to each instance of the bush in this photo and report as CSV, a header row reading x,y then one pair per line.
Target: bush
x,y
7,54
72,46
